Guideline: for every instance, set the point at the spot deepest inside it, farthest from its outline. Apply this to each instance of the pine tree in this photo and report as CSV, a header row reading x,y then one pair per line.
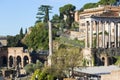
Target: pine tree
x,y
21,33
43,13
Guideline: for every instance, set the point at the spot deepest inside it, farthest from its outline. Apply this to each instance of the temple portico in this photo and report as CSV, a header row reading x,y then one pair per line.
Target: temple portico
x,y
102,38
99,27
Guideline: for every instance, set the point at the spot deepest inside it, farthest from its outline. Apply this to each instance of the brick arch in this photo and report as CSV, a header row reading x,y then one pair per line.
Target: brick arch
x,y
25,60
104,59
11,63
4,60
14,56
18,61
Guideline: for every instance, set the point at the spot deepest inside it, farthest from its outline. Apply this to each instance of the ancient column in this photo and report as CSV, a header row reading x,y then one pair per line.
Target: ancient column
x,y
109,31
29,60
14,61
50,44
22,61
86,36
115,34
118,44
97,34
91,33
103,34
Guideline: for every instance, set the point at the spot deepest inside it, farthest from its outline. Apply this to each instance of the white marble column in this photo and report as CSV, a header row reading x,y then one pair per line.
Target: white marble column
x,y
91,33
50,44
86,36
22,61
97,34
118,37
109,31
115,34
103,34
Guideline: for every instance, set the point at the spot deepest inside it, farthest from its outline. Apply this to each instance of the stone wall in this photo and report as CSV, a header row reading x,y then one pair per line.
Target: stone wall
x,y
114,75
68,79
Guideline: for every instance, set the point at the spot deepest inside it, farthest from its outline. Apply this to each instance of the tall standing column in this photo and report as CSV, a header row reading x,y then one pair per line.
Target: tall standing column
x,y
118,35
50,44
91,33
14,60
86,36
115,33
109,30
22,61
97,34
103,34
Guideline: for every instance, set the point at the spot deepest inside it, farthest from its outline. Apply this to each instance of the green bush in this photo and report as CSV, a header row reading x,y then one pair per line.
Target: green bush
x,y
44,74
29,68
118,60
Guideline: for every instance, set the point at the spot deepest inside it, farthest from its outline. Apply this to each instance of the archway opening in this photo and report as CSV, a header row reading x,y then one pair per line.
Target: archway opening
x,y
103,61
4,61
11,61
18,61
26,60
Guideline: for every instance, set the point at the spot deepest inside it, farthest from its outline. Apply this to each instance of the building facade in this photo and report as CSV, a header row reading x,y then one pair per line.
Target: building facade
x,y
101,30
13,57
114,75
3,41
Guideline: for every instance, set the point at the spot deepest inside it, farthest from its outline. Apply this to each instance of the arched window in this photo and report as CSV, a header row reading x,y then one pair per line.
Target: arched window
x,y
18,61
11,61
26,60
4,61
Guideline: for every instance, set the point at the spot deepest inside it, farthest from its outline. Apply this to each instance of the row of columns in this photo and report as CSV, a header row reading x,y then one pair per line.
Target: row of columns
x,y
100,24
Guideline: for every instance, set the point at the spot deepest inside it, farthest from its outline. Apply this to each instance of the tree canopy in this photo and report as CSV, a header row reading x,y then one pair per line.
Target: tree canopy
x,y
67,58
101,2
43,13
15,41
38,37
90,5
107,2
68,11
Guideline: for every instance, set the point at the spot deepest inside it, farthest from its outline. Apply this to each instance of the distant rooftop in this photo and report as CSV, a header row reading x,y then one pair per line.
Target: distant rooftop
x,y
102,8
97,70
3,37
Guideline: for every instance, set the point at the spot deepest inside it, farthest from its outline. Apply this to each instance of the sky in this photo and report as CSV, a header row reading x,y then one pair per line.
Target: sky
x,y
17,14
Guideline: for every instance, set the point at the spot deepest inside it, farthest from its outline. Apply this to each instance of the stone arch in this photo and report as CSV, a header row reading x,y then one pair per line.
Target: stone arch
x,y
4,60
11,61
25,60
103,61
18,61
